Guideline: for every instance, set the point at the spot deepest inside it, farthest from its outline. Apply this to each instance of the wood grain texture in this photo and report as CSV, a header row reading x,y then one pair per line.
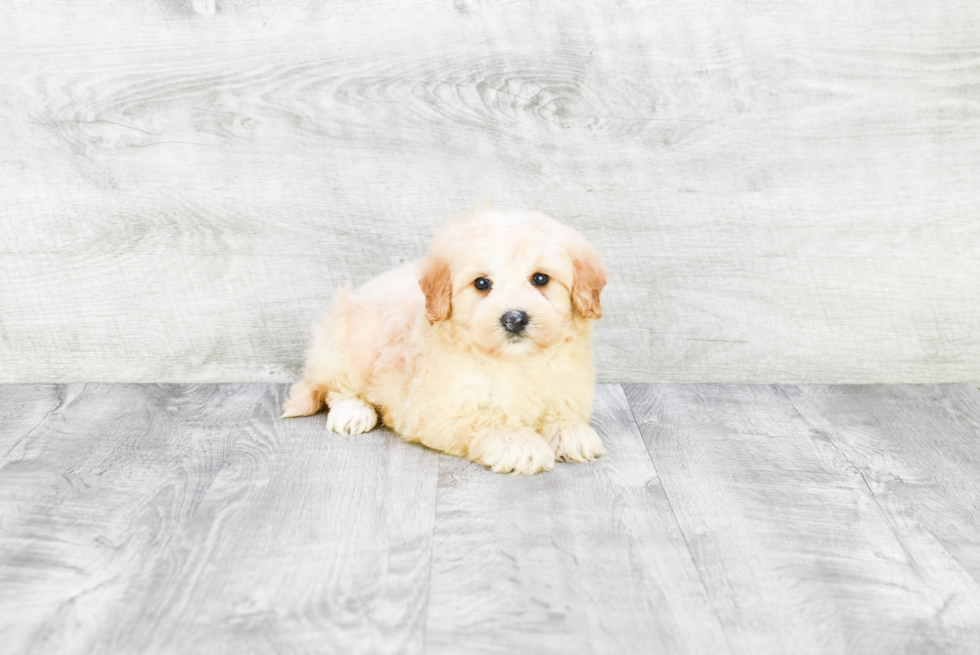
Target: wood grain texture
x,y
918,450
794,544
586,559
25,409
783,191
742,519
189,519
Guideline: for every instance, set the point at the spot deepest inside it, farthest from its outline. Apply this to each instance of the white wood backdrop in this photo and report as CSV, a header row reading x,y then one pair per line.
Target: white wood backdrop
x,y
784,190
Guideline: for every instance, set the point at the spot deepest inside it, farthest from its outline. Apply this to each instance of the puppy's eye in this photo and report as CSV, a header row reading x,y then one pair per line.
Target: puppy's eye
x,y
539,279
482,284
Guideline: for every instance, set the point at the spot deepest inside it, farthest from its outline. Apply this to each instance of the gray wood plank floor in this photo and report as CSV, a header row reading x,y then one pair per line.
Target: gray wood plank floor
x,y
735,518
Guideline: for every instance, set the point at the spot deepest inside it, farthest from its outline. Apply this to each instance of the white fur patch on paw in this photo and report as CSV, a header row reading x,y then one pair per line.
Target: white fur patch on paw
x,y
519,453
574,442
351,416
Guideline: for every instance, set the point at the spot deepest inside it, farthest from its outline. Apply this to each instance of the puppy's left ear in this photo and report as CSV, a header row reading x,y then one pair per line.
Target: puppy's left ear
x,y
590,278
436,283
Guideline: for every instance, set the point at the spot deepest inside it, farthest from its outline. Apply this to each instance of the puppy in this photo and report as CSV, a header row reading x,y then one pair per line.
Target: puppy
x,y
483,350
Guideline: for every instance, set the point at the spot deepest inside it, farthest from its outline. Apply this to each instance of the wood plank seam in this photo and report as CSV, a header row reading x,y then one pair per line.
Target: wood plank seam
x,y
44,419
874,497
432,553
687,541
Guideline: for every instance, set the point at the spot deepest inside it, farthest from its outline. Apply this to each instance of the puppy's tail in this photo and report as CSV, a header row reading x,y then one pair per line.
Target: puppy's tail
x,y
305,398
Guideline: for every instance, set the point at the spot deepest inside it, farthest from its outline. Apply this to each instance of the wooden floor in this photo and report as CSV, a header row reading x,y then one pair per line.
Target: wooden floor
x,y
741,519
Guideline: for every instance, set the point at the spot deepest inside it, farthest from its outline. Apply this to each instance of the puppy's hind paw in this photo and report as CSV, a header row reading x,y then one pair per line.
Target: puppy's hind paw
x,y
522,452
351,416
302,402
574,442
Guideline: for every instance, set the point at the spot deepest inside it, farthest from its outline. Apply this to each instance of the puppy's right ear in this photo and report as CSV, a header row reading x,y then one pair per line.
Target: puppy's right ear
x,y
437,285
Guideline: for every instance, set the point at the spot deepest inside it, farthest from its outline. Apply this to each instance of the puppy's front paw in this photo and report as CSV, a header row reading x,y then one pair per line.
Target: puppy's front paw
x,y
522,452
574,441
351,416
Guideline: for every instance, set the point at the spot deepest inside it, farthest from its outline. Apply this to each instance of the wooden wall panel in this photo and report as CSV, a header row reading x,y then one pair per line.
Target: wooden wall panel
x,y
783,191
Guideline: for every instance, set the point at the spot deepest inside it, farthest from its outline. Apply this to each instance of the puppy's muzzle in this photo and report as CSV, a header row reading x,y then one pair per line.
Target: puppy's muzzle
x,y
514,321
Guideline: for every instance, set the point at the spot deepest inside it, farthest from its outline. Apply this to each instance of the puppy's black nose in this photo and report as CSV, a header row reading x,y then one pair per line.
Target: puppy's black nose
x,y
514,321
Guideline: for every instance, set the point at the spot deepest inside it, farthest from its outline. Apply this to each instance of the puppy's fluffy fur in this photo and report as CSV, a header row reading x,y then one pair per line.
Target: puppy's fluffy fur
x,y
428,350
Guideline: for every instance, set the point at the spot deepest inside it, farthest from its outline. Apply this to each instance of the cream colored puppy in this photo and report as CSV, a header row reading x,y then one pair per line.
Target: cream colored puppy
x,y
482,350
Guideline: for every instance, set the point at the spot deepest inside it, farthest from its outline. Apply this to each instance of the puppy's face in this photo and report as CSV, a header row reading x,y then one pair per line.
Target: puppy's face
x,y
512,283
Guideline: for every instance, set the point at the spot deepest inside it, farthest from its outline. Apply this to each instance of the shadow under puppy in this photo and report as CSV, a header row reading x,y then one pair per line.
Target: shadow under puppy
x,y
482,350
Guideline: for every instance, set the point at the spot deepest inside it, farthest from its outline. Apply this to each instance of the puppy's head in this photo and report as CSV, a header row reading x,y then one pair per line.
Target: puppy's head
x,y
512,283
